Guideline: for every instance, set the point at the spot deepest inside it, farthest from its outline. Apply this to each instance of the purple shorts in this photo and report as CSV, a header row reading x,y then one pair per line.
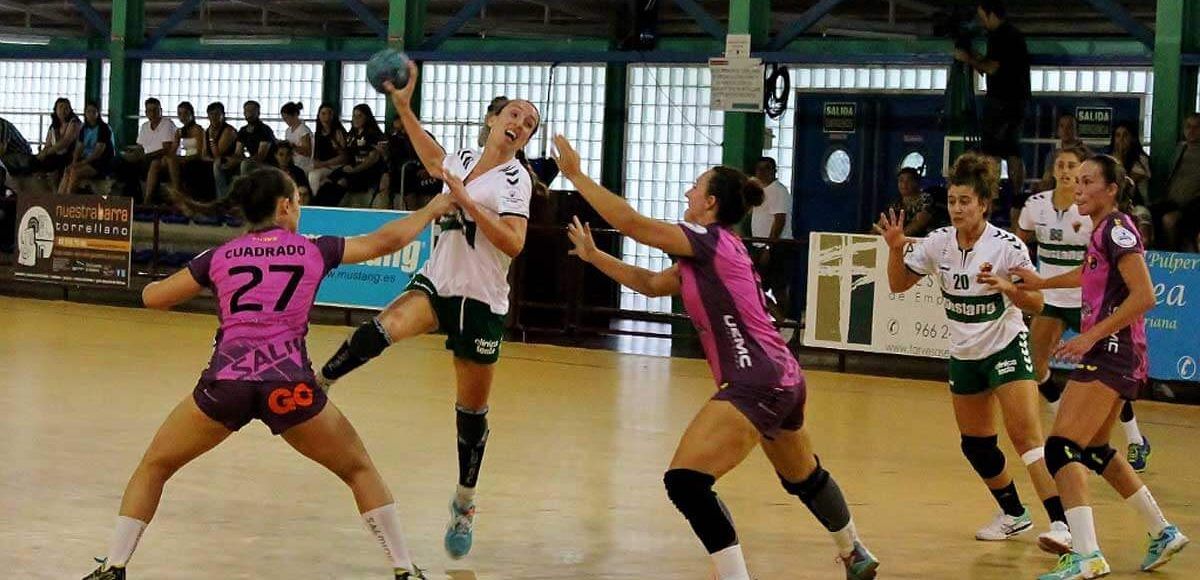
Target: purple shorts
x,y
770,409
280,405
1116,372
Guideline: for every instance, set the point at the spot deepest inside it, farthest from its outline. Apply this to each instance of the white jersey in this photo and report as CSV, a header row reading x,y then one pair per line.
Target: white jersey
x,y
1062,240
464,262
982,320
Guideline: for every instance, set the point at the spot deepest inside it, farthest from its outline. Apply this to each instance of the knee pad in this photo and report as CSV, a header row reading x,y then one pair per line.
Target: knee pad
x,y
1127,412
1060,452
369,340
1097,458
472,426
811,486
691,492
984,455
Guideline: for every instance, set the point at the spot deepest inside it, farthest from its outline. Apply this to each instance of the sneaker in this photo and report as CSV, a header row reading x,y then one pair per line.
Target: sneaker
x,y
1072,566
415,574
860,563
1005,526
1139,455
106,573
460,530
1056,540
1163,548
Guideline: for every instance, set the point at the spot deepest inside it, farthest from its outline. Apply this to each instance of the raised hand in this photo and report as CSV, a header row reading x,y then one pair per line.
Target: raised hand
x,y
568,158
891,227
580,235
1030,280
458,191
402,96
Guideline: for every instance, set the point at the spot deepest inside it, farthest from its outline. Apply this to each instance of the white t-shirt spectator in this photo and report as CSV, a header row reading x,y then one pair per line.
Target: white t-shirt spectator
x,y
152,138
776,200
295,135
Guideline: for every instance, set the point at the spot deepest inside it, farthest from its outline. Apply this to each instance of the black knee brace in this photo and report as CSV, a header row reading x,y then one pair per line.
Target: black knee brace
x,y
822,496
1097,458
1061,451
692,494
472,440
984,455
369,340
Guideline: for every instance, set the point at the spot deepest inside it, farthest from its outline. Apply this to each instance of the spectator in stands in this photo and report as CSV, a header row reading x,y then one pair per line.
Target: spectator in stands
x,y
189,167
363,162
255,139
916,204
299,135
221,148
1068,137
1008,94
1126,147
284,158
16,157
329,142
406,176
1180,211
55,154
144,160
93,154
772,219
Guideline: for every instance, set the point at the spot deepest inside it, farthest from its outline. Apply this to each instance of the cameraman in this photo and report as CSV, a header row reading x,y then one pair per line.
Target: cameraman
x,y
1007,68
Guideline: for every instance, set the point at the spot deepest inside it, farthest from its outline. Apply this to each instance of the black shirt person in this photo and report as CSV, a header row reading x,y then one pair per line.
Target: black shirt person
x,y
1008,94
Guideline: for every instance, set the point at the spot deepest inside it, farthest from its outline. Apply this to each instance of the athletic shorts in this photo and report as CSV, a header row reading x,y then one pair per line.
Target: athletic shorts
x,y
1114,371
473,331
770,409
1012,363
1068,316
280,405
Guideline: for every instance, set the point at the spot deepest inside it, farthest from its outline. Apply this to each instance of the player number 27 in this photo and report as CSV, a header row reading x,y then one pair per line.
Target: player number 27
x,y
294,272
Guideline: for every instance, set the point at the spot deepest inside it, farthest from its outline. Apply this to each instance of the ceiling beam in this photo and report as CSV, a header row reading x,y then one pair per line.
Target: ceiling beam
x,y
802,24
703,18
472,9
1122,18
181,13
93,18
47,13
373,22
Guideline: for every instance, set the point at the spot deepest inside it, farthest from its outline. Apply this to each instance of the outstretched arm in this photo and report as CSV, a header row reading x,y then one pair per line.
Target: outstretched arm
x,y
396,234
176,288
616,211
891,227
427,149
648,282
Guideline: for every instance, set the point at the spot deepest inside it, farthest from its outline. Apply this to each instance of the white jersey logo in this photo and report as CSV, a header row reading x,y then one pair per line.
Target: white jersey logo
x,y
1123,237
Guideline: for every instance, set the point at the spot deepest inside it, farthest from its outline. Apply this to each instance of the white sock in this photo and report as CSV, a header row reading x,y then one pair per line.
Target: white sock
x,y
1083,530
464,496
124,541
384,524
845,538
730,564
1152,516
1132,433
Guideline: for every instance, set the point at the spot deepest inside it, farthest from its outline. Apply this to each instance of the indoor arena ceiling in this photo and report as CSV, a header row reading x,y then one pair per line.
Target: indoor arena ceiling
x,y
563,18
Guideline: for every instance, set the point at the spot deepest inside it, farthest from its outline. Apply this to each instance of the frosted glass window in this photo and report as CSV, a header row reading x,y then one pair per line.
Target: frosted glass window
x,y
30,89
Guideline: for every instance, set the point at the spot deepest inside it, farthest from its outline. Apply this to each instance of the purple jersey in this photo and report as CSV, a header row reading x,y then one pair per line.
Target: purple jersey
x,y
265,283
1103,291
722,295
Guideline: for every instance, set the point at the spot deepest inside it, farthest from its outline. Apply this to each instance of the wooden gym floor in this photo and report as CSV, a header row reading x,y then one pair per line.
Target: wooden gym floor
x,y
571,487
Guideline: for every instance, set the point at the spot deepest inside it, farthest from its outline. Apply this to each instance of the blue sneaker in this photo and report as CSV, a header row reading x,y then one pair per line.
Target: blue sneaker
x,y
1073,566
1163,548
1139,455
460,530
860,564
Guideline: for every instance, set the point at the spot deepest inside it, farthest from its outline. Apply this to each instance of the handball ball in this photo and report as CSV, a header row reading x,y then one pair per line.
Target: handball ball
x,y
387,65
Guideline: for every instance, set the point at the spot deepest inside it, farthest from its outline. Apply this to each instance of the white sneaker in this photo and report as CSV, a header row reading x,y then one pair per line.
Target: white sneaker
x,y
1056,540
1004,527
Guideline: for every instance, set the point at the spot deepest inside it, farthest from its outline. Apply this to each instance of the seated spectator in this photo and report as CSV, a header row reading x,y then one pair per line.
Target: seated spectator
x,y
916,204
221,148
284,158
56,151
299,135
1126,147
16,157
1068,137
405,175
191,174
93,155
144,160
1180,211
363,162
329,141
254,140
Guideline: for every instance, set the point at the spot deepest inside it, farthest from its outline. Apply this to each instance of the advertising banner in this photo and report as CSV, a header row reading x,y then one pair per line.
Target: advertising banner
x,y
79,239
371,284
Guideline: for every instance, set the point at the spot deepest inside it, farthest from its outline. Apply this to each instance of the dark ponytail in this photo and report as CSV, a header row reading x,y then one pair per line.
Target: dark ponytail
x,y
1113,172
731,188
291,109
253,196
980,173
